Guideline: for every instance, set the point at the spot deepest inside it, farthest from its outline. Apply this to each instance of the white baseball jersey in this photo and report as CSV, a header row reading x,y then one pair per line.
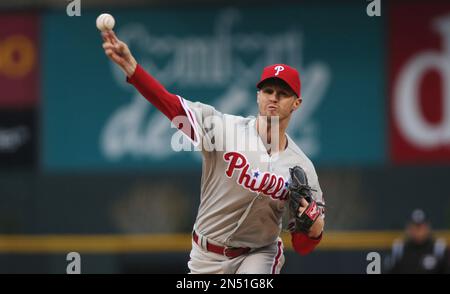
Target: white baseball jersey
x,y
243,189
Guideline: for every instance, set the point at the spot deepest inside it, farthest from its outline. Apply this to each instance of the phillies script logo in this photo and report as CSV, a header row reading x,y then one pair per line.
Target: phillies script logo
x,y
266,183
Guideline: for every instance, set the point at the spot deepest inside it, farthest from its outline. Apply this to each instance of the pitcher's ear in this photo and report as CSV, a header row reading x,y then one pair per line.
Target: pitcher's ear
x,y
297,104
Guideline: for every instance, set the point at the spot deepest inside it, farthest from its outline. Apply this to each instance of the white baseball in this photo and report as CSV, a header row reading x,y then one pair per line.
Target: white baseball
x,y
105,21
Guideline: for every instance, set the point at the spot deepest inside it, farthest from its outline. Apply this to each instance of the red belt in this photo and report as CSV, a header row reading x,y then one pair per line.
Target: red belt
x,y
230,252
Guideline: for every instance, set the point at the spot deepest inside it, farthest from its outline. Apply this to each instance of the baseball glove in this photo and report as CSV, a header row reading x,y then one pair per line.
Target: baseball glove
x,y
299,189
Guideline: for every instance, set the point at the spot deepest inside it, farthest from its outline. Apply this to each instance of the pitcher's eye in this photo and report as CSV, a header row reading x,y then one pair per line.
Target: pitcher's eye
x,y
268,91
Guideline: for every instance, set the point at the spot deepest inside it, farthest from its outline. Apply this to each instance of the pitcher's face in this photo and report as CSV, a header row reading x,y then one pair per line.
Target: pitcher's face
x,y
275,98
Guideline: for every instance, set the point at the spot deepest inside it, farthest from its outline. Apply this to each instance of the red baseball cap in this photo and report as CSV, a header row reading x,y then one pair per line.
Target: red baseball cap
x,y
283,72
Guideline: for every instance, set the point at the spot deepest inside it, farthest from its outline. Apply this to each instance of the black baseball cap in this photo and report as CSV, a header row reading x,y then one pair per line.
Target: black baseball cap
x,y
418,217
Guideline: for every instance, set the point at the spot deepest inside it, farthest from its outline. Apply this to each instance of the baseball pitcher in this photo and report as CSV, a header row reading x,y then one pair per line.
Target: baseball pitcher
x,y
252,172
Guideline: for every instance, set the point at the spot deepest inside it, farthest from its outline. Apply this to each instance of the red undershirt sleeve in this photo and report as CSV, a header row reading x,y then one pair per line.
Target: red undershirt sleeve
x,y
152,90
303,244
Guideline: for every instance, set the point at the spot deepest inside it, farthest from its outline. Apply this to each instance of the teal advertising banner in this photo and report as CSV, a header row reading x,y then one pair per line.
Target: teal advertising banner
x,y
94,120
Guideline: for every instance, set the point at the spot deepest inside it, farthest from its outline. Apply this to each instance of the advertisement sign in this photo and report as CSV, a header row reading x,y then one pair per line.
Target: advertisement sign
x,y
419,43
18,138
93,119
19,60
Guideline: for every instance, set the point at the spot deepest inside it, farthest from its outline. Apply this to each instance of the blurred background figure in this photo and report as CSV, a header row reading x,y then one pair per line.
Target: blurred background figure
x,y
419,252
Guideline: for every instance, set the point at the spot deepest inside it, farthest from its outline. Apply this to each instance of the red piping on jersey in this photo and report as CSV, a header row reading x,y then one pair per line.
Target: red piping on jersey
x,y
303,244
156,94
277,257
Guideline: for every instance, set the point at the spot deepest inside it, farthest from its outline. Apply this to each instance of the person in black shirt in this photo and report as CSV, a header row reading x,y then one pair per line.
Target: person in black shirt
x,y
419,252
